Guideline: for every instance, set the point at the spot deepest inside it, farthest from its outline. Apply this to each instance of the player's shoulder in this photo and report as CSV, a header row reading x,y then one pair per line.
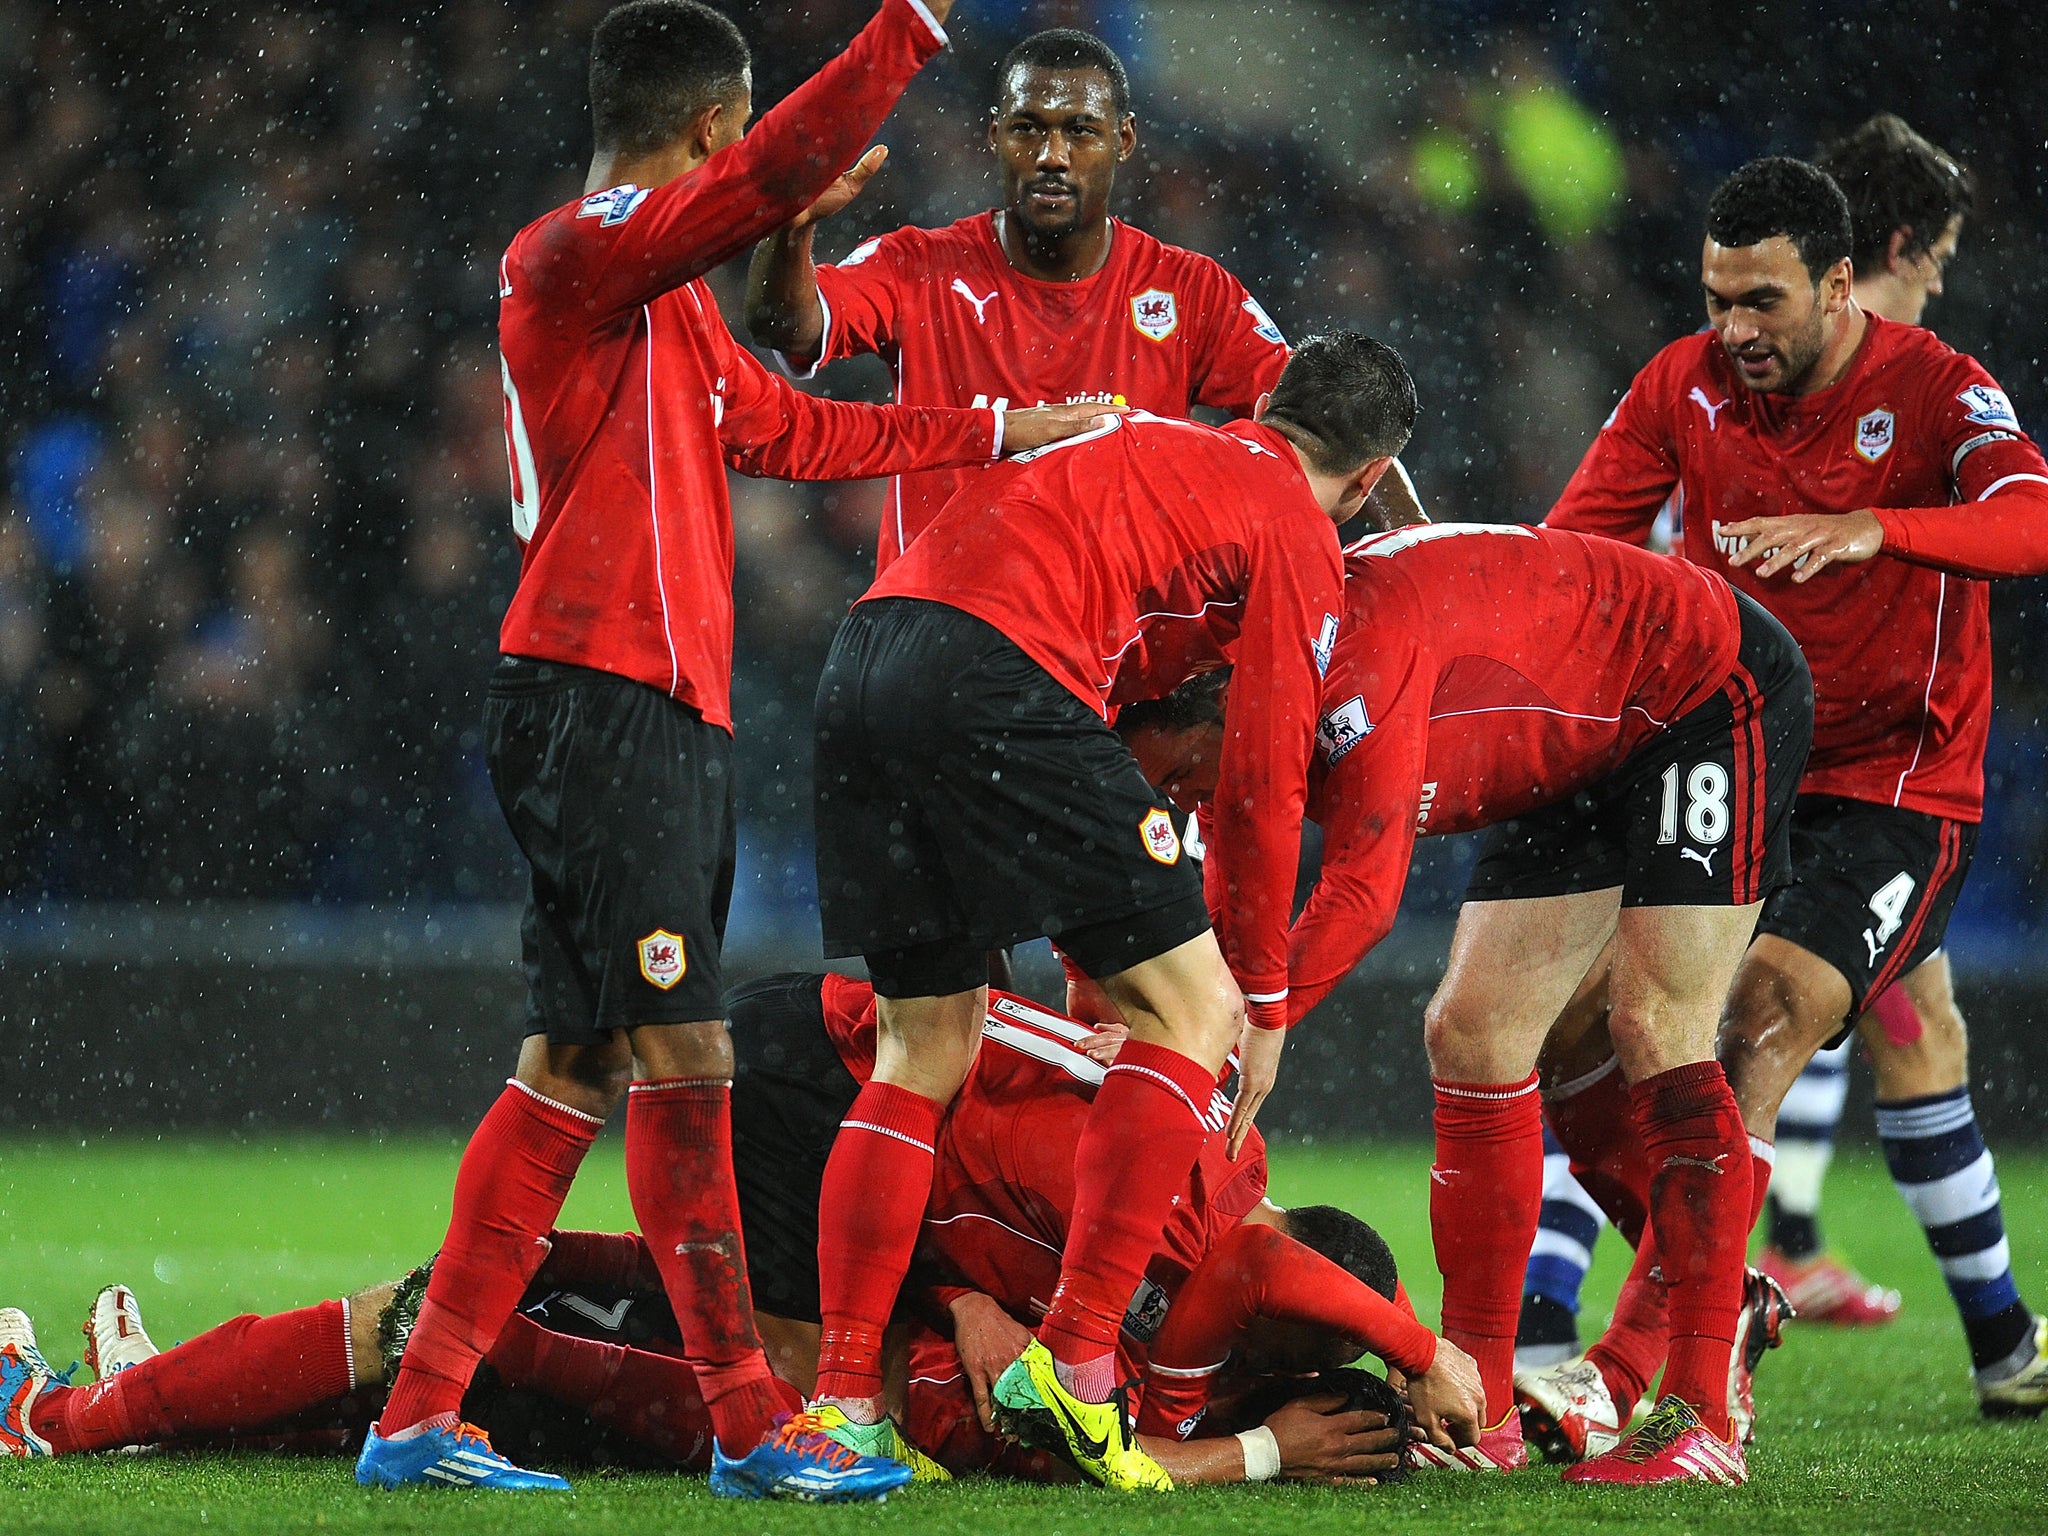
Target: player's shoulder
x,y
1147,250
1695,360
1914,355
916,251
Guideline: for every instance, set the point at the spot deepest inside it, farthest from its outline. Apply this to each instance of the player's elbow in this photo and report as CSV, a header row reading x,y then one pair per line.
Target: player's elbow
x,y
769,324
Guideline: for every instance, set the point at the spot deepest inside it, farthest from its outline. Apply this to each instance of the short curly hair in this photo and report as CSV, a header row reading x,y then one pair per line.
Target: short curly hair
x,y
1779,195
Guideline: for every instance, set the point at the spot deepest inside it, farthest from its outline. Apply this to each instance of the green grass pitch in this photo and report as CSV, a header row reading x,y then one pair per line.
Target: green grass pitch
x,y
1862,1432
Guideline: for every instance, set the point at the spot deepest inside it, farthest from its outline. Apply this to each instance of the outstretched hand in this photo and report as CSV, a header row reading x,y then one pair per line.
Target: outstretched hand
x,y
844,190
1258,1069
1321,1442
1043,424
1808,542
1449,1402
988,1340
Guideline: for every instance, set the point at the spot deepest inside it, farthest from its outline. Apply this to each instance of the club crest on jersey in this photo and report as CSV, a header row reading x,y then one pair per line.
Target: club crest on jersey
x,y
1988,407
1874,435
612,206
1155,314
1343,728
1324,643
1262,324
1161,841
662,960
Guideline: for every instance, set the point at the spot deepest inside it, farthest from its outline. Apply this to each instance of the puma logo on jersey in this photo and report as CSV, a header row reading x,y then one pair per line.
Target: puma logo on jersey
x,y
1711,407
1875,945
1706,860
980,305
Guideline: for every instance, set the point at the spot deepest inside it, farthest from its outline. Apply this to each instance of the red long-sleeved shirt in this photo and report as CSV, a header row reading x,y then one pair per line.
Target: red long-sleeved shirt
x,y
1121,560
626,398
1900,645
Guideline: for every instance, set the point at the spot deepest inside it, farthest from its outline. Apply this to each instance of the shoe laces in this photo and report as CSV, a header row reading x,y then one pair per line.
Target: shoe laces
x,y
804,1434
468,1434
1659,1431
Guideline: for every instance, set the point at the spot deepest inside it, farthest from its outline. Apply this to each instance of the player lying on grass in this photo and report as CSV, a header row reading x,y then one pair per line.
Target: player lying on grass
x,y
1258,1303
1045,298
971,796
608,730
1631,731
1864,482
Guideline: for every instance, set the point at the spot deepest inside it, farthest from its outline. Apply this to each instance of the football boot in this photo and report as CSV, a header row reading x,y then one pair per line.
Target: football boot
x,y
114,1336
456,1457
1823,1289
1095,1439
808,1458
1567,1412
2017,1387
1671,1445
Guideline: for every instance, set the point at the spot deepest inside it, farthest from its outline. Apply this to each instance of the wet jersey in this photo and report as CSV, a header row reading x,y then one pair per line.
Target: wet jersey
x,y
626,398
1144,532
1900,644
1160,328
1484,670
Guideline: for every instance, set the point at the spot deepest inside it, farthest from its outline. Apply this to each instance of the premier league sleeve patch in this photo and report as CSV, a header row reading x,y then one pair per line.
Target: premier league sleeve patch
x,y
662,960
1343,728
614,205
1161,841
1262,324
1988,407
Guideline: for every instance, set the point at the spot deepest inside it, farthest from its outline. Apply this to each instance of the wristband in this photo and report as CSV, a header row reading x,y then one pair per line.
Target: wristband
x,y
1261,1454
1269,1013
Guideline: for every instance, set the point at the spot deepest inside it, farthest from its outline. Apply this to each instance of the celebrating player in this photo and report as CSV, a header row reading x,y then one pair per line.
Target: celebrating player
x,y
1862,481
1045,298
971,796
609,724
1633,732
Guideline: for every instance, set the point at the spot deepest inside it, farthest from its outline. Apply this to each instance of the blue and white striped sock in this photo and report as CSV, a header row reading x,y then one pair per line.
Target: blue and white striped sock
x,y
1946,1175
1806,1144
1558,1260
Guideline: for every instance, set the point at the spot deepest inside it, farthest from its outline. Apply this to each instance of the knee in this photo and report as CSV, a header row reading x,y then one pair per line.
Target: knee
x,y
1452,1034
1937,1061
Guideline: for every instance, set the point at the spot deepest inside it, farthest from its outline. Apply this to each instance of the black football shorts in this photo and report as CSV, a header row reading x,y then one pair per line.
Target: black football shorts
x,y
622,801
1872,888
1697,816
967,801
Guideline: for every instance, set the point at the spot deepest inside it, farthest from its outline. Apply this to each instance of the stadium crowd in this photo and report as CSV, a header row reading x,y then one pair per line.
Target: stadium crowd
x,y
253,542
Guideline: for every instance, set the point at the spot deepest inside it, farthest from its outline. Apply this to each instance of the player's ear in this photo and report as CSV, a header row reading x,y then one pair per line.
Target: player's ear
x,y
1259,406
1895,259
1368,476
1126,137
1839,285
703,132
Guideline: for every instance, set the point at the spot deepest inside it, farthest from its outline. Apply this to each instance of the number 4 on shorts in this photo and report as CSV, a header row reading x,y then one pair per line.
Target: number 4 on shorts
x,y
1888,906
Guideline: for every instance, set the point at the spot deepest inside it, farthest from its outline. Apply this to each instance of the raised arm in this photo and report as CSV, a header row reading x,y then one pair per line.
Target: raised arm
x,y
784,309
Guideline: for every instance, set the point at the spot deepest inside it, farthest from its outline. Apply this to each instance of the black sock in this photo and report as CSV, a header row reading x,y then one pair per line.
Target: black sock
x,y
1796,1237
1546,1322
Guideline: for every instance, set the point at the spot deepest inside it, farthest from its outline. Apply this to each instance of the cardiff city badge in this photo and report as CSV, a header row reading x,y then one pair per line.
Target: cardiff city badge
x,y
1161,841
662,960
1874,435
1155,314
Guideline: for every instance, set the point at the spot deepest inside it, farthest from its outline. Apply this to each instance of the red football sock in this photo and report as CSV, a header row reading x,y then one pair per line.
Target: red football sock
x,y
1632,1349
653,1400
604,1261
1763,1157
1137,1147
1700,1197
1485,1194
247,1374
870,1206
679,1174
515,1174
1591,1119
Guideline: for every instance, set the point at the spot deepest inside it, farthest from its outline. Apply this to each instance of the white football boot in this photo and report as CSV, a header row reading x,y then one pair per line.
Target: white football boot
x,y
114,1337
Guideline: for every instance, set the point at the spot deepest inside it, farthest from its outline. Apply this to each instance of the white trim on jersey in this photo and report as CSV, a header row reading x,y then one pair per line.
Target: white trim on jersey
x,y
1118,656
1077,1065
947,1221
1999,485
675,667
1562,714
931,21
1926,699
824,345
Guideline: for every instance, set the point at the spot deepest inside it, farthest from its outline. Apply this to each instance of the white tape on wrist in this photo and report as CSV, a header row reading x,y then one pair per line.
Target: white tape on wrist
x,y
1261,1454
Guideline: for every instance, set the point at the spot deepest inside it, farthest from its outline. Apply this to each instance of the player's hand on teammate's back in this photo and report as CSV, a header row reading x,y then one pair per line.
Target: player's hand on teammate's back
x,y
988,1341
844,190
1321,1443
1449,1402
1808,542
1042,424
1258,1068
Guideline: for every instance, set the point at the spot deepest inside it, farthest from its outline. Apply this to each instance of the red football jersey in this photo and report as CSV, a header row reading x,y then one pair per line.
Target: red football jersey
x,y
1484,670
1003,1177
1101,555
626,398
1900,649
1158,327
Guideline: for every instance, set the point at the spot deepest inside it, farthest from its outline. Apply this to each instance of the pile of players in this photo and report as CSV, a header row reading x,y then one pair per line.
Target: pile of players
x,y
1731,797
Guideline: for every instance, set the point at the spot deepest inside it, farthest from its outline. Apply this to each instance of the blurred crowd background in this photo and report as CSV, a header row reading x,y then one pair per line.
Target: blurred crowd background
x,y
254,536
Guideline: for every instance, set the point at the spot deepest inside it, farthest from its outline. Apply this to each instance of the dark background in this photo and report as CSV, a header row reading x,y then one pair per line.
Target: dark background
x,y
254,537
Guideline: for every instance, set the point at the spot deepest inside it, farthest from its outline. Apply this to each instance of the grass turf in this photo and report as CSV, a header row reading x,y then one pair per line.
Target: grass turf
x,y
1862,1431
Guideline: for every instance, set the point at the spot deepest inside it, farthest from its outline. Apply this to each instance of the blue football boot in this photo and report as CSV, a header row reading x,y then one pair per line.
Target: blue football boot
x,y
446,1458
801,1460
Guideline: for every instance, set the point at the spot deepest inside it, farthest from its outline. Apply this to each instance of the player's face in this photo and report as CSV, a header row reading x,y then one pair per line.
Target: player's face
x,y
1182,765
1769,313
1059,141
1920,277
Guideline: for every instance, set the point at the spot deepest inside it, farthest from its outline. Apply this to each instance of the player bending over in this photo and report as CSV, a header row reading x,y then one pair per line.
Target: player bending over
x,y
1864,482
1045,298
1632,732
609,725
970,796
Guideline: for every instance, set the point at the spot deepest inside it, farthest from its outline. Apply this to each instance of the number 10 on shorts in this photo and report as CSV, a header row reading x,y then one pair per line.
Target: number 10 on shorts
x,y
1706,805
